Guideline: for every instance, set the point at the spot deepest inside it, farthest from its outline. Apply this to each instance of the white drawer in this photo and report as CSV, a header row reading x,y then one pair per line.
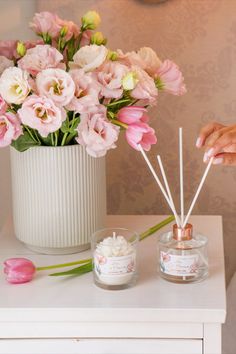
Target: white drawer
x,y
100,346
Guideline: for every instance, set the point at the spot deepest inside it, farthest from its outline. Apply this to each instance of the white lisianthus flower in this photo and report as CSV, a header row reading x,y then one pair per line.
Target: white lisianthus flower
x,y
5,63
89,57
14,85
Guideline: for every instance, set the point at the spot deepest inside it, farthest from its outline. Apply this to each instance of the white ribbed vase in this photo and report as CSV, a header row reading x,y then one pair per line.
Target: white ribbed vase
x,y
59,198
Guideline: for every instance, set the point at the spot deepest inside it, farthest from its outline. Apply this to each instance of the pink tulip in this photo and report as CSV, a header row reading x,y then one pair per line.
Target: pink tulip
x,y
170,78
133,114
138,131
19,270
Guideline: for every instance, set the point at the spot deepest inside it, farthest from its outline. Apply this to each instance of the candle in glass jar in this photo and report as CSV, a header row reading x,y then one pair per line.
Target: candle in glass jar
x,y
114,261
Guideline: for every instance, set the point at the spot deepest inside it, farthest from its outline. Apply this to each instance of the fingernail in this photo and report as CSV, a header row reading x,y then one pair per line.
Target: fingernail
x,y
205,157
199,142
218,161
210,152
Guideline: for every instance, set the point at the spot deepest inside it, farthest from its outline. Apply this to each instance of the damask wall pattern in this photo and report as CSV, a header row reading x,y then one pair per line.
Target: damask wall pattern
x,y
200,35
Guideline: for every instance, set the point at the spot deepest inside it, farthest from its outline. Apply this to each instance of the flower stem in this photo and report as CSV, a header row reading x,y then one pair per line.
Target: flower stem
x,y
117,122
83,261
64,139
118,102
155,228
52,139
56,138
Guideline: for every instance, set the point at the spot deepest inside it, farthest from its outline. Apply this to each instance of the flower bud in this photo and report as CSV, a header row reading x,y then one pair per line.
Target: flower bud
x,y
63,31
97,38
21,50
112,55
129,81
91,20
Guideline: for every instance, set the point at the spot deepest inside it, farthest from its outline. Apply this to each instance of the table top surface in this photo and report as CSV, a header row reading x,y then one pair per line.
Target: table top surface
x,y
152,298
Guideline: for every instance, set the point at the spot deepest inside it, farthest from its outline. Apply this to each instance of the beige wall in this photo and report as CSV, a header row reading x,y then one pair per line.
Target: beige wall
x,y
200,35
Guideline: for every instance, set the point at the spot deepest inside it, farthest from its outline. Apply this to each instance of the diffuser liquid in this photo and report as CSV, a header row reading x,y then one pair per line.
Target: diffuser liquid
x,y
183,261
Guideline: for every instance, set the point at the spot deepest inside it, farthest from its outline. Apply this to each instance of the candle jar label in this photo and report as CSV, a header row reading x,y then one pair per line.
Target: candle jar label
x,y
114,265
179,265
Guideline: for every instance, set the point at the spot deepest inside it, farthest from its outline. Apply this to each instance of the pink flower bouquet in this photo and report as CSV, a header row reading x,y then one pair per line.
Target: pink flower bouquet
x,y
69,88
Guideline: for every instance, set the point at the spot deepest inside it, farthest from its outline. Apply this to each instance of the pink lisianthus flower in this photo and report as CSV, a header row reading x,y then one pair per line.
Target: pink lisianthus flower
x,y
5,63
145,89
86,91
86,36
138,132
130,59
46,23
151,60
33,43
3,105
56,84
69,27
19,270
8,49
96,133
40,58
170,78
10,128
110,76
42,114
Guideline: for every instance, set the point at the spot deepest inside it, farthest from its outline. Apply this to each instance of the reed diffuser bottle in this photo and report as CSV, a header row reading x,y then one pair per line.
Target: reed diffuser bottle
x,y
183,255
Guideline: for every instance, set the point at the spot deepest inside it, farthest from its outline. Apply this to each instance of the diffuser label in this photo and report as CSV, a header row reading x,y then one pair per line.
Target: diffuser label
x,y
114,265
179,265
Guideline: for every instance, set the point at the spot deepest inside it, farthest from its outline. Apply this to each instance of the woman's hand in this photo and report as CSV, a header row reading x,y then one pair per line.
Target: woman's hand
x,y
219,141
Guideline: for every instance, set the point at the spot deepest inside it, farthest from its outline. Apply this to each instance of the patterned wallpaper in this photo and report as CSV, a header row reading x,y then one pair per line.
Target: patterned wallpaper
x,y
200,35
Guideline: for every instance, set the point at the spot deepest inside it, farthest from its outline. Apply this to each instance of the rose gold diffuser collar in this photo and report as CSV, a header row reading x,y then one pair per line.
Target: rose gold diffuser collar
x,y
184,234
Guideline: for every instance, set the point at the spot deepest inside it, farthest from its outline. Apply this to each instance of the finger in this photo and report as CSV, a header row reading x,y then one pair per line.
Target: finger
x,y
226,159
213,137
206,131
225,140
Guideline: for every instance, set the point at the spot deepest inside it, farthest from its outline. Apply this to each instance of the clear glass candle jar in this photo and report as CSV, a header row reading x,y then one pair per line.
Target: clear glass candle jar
x,y
114,258
183,255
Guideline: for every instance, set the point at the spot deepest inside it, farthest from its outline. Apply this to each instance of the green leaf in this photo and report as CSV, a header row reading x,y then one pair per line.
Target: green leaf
x,y
65,126
24,142
86,268
46,141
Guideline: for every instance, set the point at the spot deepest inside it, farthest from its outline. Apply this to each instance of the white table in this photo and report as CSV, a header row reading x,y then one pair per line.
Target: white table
x,y
54,315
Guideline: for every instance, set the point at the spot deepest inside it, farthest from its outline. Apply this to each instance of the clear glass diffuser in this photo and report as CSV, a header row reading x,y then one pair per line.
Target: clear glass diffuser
x,y
183,255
